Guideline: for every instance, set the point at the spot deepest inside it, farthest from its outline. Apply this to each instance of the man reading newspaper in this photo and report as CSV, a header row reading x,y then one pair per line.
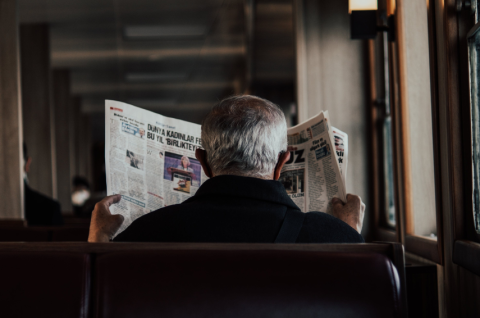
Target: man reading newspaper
x,y
244,141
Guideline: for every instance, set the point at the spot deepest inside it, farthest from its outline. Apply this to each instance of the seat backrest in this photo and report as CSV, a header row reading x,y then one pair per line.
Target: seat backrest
x,y
44,284
70,234
24,234
251,283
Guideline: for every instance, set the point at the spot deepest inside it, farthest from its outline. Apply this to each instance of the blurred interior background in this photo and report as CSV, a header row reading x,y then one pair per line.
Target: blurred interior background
x,y
178,58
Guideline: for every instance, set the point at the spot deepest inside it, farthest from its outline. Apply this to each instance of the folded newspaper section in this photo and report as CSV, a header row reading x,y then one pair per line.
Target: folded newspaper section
x,y
150,160
317,168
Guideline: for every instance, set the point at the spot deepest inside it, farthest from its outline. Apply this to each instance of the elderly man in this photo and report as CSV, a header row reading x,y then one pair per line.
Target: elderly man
x,y
245,148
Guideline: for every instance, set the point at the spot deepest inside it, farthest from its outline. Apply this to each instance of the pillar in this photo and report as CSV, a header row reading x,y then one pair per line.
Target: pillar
x,y
11,161
38,122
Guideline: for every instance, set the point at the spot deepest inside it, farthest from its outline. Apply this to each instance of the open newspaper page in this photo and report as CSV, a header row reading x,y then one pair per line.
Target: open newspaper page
x,y
149,160
313,176
341,147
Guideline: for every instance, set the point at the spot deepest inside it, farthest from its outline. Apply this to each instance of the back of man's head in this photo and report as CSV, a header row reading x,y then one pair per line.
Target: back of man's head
x,y
244,135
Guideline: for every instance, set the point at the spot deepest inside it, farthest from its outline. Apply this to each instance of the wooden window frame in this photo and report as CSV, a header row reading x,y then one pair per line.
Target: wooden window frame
x,y
450,97
382,231
466,245
425,247
465,228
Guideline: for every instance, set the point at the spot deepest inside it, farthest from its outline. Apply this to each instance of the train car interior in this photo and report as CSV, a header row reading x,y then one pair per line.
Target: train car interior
x,y
400,78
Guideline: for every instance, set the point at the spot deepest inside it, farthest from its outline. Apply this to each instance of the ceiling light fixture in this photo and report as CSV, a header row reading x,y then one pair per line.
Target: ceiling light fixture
x,y
362,5
363,20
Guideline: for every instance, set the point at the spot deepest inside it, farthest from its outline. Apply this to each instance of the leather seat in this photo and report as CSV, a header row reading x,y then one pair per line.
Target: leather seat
x,y
23,234
196,283
44,284
70,234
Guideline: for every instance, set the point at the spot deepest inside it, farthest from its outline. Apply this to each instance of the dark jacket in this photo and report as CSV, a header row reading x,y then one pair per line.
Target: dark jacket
x,y
40,209
235,209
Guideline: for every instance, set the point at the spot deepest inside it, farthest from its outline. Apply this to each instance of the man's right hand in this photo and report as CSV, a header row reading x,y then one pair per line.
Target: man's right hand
x,y
103,224
351,212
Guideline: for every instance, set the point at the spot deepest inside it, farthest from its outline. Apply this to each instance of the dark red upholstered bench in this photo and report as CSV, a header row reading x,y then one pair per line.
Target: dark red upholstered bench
x,y
201,280
70,234
246,284
44,284
24,234
65,233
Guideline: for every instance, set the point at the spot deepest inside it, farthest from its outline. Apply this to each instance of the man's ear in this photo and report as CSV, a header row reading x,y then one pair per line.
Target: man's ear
x,y
282,159
201,156
27,164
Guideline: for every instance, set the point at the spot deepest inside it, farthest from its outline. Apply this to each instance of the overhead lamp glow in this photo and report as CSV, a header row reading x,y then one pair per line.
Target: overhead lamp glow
x,y
362,5
162,31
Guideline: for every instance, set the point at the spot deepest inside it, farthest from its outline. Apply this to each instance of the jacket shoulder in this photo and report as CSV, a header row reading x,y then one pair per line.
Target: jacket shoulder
x,y
319,227
42,200
150,226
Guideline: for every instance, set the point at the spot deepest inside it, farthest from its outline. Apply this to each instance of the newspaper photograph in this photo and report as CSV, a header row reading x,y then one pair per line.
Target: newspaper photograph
x,y
316,170
341,142
149,160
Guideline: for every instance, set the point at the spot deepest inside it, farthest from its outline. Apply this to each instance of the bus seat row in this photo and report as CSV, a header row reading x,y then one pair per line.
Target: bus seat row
x,y
201,280
44,234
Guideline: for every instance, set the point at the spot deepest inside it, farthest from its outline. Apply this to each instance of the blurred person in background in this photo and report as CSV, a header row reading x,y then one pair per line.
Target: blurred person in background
x,y
80,194
39,209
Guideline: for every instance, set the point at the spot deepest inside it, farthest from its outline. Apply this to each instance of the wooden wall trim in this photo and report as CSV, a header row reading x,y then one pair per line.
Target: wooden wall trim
x,y
301,61
432,37
467,255
424,247
458,284
385,235
402,121
374,162
395,100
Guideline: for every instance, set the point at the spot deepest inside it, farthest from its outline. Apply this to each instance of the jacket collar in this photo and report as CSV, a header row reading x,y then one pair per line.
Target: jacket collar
x,y
246,187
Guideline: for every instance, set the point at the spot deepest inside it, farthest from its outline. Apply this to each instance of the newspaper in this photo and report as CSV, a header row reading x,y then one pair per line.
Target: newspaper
x,y
317,168
149,160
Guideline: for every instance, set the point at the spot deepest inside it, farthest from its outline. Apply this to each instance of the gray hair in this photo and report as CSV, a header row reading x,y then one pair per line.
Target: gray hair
x,y
244,135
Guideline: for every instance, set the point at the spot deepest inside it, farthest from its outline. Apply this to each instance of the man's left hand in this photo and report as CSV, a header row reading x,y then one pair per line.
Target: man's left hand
x,y
103,224
351,212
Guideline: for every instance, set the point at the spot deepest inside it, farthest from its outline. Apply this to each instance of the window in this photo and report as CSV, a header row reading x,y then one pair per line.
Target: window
x,y
384,128
474,51
416,120
388,171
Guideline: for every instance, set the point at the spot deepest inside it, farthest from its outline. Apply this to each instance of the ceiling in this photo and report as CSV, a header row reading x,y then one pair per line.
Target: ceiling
x,y
175,57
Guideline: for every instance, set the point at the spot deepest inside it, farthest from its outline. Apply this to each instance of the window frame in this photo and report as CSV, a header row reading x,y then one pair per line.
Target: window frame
x,y
469,223
431,249
464,238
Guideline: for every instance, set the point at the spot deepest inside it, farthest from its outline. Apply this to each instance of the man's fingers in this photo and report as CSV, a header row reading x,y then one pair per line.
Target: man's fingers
x,y
354,200
111,199
117,220
337,204
336,201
